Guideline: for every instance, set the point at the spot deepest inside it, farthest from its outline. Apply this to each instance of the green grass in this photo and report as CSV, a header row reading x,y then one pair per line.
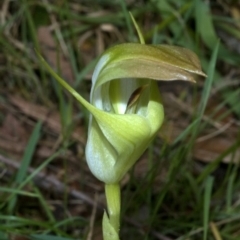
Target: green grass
x,y
178,195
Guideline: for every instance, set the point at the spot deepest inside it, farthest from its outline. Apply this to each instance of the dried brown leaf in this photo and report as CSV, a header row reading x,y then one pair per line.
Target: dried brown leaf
x,y
50,118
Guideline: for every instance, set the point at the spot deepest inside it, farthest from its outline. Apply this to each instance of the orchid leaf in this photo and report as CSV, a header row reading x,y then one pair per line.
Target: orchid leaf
x,y
109,233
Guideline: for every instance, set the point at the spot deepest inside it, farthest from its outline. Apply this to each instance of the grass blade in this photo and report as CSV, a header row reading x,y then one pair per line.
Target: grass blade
x,y
206,207
26,160
206,93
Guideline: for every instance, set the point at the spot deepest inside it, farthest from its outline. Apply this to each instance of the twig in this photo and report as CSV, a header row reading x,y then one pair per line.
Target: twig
x,y
92,219
214,134
215,231
48,181
4,11
188,109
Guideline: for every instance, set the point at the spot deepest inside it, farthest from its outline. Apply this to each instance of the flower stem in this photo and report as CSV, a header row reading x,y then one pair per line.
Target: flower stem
x,y
112,192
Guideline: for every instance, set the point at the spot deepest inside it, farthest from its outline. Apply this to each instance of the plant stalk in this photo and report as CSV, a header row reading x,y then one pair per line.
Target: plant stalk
x,y
111,221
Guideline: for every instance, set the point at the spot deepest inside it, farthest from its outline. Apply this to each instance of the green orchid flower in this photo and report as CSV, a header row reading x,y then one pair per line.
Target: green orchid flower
x,y
125,103
127,111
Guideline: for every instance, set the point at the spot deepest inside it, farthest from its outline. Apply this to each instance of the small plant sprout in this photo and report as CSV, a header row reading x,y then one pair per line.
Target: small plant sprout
x,y
127,111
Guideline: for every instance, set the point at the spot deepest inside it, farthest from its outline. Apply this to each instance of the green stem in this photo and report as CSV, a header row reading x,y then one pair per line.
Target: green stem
x,y
112,192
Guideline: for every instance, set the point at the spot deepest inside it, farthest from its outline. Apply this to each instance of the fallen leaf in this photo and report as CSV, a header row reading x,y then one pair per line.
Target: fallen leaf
x,y
50,118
